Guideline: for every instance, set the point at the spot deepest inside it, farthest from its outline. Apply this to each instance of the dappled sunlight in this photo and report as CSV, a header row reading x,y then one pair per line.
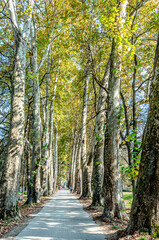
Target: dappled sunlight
x,y
93,229
62,219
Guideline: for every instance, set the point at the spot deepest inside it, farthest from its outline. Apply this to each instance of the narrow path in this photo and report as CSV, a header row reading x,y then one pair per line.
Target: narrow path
x,y
63,218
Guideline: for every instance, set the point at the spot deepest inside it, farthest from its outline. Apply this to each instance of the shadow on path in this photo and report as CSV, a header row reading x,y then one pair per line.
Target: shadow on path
x,y
63,218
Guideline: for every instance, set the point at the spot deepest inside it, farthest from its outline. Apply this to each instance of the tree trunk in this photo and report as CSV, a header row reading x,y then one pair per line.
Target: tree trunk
x,y
128,143
36,155
73,159
90,167
46,165
98,164
10,185
111,155
145,207
55,157
77,186
135,151
84,167
112,185
28,167
51,142
75,162
50,180
28,145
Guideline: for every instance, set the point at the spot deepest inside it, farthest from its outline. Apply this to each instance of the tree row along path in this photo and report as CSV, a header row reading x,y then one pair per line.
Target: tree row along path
x,y
63,218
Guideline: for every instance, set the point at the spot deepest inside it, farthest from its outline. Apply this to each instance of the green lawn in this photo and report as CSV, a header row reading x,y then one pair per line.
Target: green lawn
x,y
128,197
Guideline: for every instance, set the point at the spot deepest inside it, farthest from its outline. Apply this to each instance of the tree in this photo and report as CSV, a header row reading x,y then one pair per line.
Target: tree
x,y
98,164
112,186
46,165
55,158
10,185
85,191
36,154
50,159
144,211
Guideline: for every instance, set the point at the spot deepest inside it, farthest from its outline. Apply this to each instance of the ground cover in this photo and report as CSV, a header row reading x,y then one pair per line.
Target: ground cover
x,y
26,213
113,229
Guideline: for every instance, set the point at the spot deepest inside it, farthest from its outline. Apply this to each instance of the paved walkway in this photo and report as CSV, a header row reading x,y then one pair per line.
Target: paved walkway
x,y
63,218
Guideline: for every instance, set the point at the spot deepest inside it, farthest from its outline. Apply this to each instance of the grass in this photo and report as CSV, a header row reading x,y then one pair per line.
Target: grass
x,y
25,192
128,197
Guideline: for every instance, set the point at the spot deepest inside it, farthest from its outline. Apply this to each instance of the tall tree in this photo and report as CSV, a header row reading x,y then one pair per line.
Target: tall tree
x,y
112,186
98,164
73,158
36,154
9,192
55,158
51,144
85,190
77,184
46,165
144,212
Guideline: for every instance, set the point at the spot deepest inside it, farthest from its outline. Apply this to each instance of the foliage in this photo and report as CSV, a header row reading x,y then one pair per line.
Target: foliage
x,y
76,30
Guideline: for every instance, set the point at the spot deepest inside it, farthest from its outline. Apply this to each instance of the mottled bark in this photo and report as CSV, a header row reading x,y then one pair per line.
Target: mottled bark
x,y
10,184
46,164
90,167
145,207
113,206
50,179
73,157
111,155
28,145
98,164
36,154
55,157
28,150
77,187
28,168
75,162
135,151
84,167
51,160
